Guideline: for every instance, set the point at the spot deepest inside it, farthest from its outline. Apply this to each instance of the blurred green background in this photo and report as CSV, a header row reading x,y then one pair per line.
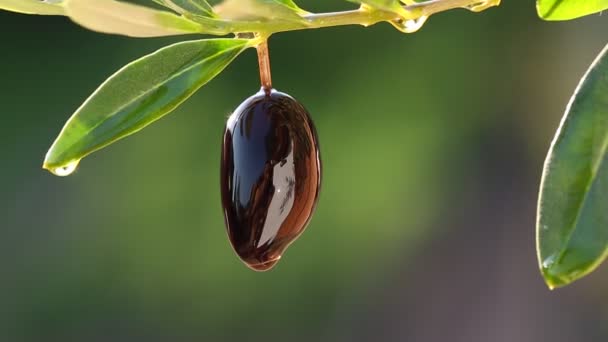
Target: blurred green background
x,y
432,143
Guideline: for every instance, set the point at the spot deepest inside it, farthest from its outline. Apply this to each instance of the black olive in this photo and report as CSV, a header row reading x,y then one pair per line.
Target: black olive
x,y
270,176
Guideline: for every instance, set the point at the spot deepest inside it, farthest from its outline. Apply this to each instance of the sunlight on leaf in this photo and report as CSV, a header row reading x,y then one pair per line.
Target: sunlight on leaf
x,y
109,16
186,7
568,9
33,7
259,9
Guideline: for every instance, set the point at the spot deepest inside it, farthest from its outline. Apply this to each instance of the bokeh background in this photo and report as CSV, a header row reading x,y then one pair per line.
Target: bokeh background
x,y
432,143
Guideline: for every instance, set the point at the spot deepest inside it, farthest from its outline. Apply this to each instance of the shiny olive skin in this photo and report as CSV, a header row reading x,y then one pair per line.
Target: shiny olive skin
x,y
270,176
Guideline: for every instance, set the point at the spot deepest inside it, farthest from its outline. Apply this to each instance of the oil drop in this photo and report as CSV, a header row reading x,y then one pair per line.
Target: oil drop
x,y
409,25
65,170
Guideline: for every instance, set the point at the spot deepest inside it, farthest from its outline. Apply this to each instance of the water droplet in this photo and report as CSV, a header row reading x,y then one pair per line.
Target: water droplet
x,y
410,25
549,261
65,170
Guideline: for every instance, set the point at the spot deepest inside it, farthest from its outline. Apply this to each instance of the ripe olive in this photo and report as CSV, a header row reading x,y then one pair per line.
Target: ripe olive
x,y
270,176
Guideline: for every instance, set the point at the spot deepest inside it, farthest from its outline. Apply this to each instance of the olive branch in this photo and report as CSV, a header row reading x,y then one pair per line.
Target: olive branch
x,y
571,230
147,89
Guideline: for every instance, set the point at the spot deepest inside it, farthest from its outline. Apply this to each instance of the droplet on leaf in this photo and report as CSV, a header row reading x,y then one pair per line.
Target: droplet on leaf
x,y
65,170
549,261
409,25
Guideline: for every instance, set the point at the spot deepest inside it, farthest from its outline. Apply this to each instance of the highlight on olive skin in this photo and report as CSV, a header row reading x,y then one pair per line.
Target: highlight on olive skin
x,y
270,176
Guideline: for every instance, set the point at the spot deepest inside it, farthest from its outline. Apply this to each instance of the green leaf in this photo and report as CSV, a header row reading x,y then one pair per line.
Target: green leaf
x,y
572,222
139,94
116,17
196,7
260,10
287,3
33,7
568,9
127,19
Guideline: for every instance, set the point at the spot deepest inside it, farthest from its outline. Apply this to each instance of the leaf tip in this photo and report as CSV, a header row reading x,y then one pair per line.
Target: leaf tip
x,y
558,274
551,272
555,283
551,281
540,12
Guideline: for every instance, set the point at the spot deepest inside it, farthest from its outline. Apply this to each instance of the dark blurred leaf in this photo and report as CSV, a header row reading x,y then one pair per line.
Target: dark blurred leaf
x,y
568,9
32,7
572,228
139,94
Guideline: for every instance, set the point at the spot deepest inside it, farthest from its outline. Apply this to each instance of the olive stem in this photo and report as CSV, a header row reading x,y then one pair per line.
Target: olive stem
x,y
264,63
364,16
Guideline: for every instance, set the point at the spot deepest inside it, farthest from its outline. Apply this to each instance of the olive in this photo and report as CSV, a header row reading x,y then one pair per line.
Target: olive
x,y
270,176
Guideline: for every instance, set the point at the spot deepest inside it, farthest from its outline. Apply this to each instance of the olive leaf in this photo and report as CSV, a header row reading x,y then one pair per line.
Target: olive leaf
x,y
572,222
127,19
33,7
139,94
259,10
289,4
111,16
186,7
568,9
